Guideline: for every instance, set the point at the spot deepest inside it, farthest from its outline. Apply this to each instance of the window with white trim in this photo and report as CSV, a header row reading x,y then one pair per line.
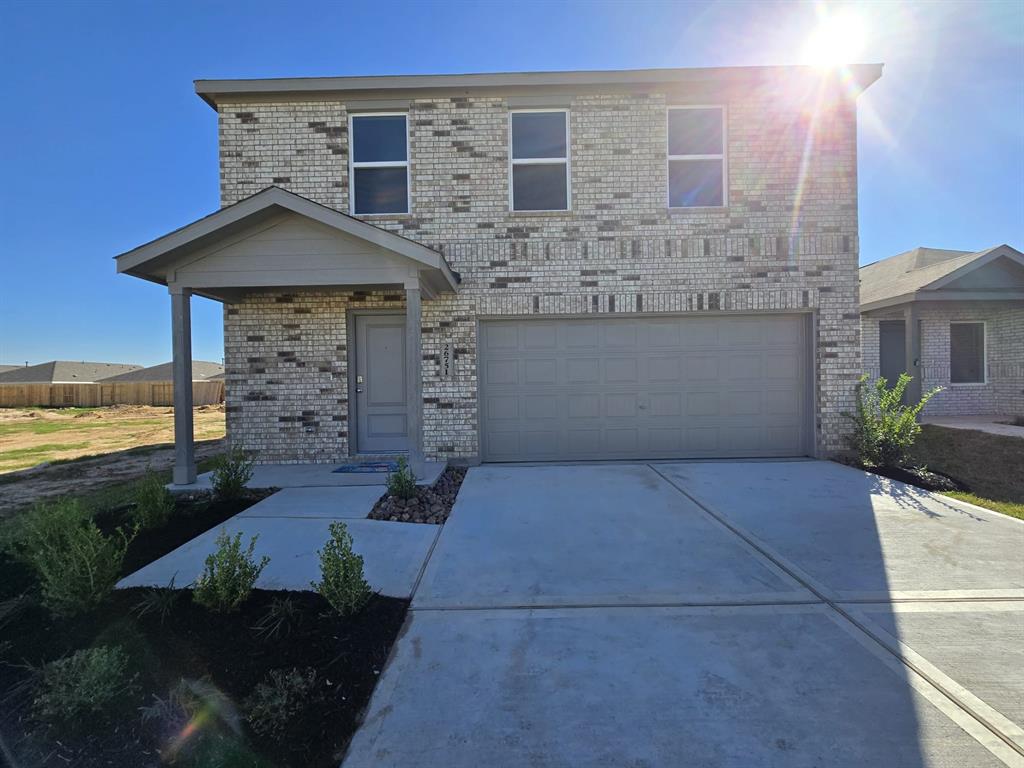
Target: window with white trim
x,y
539,157
967,353
379,165
696,157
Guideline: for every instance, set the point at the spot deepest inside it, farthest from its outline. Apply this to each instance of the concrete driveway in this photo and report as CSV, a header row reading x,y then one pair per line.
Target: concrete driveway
x,y
707,614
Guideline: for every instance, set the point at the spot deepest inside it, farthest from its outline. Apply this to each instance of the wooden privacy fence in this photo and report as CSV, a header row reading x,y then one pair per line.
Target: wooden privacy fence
x,y
99,394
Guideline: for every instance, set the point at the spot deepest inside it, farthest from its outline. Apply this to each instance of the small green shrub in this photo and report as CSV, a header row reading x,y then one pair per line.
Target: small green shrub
x,y
342,582
229,575
884,428
402,482
231,471
86,684
154,504
159,601
281,618
275,702
76,564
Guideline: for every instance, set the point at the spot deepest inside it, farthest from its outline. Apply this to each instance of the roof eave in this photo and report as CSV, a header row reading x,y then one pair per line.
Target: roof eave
x,y
862,75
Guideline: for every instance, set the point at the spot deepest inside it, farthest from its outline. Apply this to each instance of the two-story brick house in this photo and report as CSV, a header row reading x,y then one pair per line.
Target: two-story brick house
x,y
541,266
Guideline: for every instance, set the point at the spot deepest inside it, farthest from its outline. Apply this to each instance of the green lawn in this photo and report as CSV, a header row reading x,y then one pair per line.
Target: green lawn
x,y
991,466
1006,507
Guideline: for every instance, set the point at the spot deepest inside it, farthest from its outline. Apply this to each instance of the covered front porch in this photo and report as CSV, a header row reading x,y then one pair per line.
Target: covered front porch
x,y
275,246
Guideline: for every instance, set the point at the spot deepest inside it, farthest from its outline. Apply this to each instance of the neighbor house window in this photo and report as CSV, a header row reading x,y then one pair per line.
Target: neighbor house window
x,y
696,157
379,147
967,353
540,160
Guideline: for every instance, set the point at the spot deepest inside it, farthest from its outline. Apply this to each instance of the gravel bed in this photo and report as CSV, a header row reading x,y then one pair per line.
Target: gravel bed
x,y
431,505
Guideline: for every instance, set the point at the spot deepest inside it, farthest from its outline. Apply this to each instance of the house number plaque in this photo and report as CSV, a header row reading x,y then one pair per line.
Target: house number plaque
x,y
447,362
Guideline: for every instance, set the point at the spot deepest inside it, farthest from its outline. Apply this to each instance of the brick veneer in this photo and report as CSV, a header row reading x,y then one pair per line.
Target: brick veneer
x,y
1003,392
786,241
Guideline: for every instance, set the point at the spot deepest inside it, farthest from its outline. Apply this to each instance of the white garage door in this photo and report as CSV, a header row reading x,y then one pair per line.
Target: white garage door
x,y
644,388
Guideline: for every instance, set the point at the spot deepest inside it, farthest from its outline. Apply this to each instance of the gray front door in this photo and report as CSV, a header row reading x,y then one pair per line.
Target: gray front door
x,y
892,356
645,387
381,413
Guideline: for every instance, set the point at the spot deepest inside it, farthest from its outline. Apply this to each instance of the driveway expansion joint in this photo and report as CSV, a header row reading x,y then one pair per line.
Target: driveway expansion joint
x,y
837,606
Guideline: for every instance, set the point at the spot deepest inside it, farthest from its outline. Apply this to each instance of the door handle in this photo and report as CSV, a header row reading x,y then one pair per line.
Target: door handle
x,y
359,390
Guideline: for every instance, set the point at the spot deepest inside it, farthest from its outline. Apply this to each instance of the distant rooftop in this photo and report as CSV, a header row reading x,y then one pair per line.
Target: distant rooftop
x,y
63,372
201,370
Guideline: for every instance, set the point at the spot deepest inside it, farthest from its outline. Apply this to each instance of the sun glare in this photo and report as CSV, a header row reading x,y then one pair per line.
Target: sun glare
x,y
838,39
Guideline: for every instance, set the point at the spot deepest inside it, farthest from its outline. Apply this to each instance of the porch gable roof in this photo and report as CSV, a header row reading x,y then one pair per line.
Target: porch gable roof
x,y
158,259
931,274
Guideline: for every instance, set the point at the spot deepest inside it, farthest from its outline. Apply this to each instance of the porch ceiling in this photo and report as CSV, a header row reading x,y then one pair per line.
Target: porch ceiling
x,y
277,239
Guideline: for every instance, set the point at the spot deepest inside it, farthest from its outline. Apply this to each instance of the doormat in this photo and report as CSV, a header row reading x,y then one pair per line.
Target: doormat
x,y
368,467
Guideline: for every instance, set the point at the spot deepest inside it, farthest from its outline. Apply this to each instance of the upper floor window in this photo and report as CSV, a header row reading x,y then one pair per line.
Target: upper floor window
x,y
540,160
379,170
696,157
967,353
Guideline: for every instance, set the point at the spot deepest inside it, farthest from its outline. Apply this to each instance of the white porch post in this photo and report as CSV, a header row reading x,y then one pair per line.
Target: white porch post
x,y
181,342
912,345
414,377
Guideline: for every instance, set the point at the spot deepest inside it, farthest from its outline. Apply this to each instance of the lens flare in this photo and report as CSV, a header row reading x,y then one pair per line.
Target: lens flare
x,y
838,39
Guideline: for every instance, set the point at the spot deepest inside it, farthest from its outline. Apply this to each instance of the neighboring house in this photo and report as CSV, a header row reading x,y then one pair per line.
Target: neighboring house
x,y
201,371
952,319
539,266
6,368
64,372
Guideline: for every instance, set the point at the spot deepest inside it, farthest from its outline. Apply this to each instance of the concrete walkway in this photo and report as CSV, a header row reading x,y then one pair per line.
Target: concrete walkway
x,y
992,424
707,614
292,525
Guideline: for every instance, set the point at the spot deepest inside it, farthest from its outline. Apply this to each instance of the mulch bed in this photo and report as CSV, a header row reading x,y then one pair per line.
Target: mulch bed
x,y
224,651
194,514
431,505
918,477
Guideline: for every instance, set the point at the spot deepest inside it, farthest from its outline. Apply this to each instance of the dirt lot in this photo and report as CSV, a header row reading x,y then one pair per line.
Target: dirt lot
x,y
120,441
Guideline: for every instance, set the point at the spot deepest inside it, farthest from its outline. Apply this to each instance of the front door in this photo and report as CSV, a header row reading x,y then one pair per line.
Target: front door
x,y
892,356
381,412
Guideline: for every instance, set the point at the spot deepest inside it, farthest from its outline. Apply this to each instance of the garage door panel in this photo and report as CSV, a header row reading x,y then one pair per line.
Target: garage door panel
x,y
618,405
584,442
781,365
702,440
622,335
744,403
702,404
498,372
582,335
500,336
540,371
701,367
584,406
664,335
583,370
620,370
665,440
539,336
664,369
498,407
740,368
541,406
645,387
666,403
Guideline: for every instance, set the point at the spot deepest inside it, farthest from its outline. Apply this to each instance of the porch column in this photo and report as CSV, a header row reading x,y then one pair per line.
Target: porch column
x,y
414,377
912,345
181,342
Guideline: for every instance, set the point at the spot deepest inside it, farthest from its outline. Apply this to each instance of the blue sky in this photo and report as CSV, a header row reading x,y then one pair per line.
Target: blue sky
x,y
106,146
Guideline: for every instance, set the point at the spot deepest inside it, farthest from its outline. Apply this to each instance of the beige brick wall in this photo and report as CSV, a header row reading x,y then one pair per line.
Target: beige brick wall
x,y
1003,392
787,240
